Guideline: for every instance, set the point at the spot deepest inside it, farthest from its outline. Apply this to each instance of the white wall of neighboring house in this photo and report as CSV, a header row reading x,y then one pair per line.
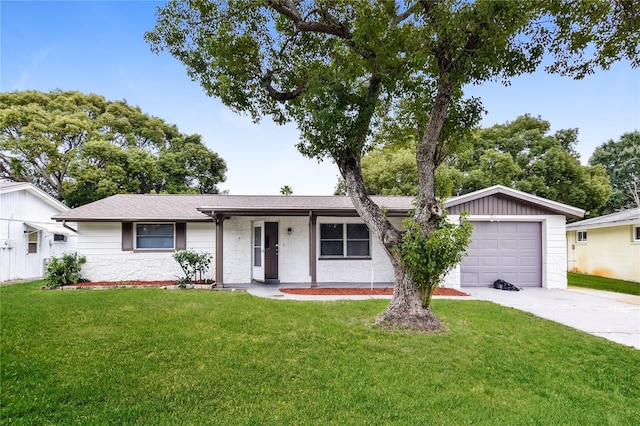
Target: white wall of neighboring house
x,y
28,204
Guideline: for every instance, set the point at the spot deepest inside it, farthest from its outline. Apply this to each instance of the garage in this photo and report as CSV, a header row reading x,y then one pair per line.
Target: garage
x,y
517,237
511,251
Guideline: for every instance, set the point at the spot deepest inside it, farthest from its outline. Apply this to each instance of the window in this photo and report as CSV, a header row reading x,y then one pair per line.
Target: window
x,y
154,236
59,238
636,233
257,246
32,239
582,236
344,240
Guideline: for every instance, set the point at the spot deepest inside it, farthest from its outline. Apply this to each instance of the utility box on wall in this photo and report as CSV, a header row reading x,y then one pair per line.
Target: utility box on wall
x,y
7,244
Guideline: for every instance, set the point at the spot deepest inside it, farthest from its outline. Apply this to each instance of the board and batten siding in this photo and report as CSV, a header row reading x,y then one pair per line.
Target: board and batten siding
x,y
497,204
101,244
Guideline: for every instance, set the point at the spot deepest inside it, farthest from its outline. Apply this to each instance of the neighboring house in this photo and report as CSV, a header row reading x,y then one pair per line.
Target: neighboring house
x,y
312,239
28,235
607,246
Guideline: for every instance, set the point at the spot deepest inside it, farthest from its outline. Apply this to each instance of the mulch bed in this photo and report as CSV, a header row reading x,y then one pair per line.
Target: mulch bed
x,y
347,291
315,291
125,283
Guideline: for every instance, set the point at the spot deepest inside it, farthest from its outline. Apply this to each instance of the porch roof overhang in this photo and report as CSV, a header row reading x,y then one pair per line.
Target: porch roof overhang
x,y
50,228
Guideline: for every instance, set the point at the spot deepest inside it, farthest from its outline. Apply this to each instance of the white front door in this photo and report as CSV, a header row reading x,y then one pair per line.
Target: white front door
x,y
257,257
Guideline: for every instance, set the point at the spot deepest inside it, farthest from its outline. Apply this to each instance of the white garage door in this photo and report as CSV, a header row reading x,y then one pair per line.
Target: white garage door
x,y
511,251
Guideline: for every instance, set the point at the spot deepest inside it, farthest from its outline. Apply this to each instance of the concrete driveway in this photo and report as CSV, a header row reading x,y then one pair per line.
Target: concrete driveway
x,y
614,316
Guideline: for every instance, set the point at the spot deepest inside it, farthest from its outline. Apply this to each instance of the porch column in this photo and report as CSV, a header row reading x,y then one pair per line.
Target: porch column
x,y
219,249
312,249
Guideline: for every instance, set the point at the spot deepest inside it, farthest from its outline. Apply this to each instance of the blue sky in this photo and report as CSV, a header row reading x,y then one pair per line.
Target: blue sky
x,y
97,47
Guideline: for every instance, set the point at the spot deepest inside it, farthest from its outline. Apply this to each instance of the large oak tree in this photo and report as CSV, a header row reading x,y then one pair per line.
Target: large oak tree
x,y
341,68
80,148
621,159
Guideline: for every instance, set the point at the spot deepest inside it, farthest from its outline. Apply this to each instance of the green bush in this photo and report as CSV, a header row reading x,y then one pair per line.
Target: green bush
x,y
192,263
65,270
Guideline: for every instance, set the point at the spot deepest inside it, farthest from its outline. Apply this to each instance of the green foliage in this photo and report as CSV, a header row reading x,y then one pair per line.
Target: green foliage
x,y
80,148
192,264
65,270
392,170
523,155
621,159
286,190
426,260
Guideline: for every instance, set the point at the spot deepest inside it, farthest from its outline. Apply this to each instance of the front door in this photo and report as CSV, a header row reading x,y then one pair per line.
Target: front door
x,y
257,257
271,250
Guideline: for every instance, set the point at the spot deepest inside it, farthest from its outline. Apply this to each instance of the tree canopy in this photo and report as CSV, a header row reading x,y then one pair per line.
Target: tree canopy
x,y
80,148
344,70
621,159
521,154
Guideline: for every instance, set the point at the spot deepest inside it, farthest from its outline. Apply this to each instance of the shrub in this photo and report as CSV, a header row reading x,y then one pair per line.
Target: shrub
x,y
192,263
65,270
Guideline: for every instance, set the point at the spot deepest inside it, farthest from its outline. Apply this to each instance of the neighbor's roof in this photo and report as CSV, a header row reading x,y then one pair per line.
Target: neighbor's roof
x,y
136,207
626,217
7,187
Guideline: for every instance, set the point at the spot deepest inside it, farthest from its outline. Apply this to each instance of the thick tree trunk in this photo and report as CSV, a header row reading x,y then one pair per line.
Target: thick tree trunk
x,y
405,309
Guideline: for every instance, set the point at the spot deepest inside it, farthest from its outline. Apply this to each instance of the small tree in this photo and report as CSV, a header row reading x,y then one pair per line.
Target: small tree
x,y
192,263
65,270
286,190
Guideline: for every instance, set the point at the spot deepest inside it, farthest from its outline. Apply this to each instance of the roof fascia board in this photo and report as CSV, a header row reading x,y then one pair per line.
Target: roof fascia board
x,y
131,219
292,212
578,226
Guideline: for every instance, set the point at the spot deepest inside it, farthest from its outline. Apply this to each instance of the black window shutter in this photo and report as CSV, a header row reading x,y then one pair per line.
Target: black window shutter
x,y
127,236
181,236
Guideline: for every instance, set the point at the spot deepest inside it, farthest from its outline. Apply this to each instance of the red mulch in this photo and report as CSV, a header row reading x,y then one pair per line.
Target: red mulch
x,y
315,291
346,291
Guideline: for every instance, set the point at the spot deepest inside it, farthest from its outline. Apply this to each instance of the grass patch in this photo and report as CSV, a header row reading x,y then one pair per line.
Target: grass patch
x,y
602,283
195,357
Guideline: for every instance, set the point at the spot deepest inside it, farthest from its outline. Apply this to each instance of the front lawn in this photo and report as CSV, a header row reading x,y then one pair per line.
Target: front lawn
x,y
602,283
197,357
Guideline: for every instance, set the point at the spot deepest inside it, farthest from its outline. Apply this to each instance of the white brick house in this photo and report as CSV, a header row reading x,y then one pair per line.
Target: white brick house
x,y
311,239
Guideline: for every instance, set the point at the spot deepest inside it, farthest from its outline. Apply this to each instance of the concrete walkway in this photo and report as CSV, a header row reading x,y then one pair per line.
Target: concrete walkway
x,y
613,316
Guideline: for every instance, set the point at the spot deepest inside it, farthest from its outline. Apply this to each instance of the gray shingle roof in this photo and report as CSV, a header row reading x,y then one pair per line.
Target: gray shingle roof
x,y
626,217
135,207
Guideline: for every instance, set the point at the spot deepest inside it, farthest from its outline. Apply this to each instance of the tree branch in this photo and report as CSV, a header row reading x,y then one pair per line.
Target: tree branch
x,y
332,26
267,79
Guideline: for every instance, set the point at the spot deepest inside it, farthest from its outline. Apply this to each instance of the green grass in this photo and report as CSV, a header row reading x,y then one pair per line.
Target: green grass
x,y
196,357
602,283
